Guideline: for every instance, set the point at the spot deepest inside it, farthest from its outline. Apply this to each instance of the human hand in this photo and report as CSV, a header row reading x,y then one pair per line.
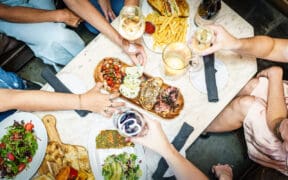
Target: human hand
x,y
223,172
283,129
223,40
135,51
107,10
95,101
69,18
154,138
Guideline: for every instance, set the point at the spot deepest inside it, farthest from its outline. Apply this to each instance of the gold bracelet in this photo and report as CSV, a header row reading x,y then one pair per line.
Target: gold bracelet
x,y
80,101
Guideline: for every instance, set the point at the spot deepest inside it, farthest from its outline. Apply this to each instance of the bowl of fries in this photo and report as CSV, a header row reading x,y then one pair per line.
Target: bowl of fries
x,y
167,30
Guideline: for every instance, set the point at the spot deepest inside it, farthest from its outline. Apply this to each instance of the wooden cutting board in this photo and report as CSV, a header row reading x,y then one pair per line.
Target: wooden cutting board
x,y
59,154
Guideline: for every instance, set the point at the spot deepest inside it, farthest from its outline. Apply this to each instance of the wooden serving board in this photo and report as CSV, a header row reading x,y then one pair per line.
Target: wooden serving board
x,y
171,115
59,154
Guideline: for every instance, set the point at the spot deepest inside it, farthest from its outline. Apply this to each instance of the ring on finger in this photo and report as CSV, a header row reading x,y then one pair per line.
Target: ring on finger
x,y
106,110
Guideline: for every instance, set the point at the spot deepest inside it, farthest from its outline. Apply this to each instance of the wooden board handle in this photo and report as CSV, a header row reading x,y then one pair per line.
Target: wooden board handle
x,y
50,124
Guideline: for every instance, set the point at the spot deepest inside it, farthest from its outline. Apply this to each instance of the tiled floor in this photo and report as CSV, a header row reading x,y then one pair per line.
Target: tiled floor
x,y
217,148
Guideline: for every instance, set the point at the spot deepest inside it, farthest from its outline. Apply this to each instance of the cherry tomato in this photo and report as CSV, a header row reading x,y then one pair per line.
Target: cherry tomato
x,y
149,27
116,67
10,156
21,167
29,126
2,145
73,174
29,159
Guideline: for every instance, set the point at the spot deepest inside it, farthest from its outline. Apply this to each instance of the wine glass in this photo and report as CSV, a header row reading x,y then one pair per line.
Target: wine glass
x,y
201,40
132,23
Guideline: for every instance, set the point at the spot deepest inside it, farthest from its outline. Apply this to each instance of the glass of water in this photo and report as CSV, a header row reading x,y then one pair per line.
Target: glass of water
x,y
129,122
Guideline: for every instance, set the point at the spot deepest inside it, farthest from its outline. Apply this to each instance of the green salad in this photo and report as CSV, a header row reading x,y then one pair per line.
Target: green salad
x,y
17,148
121,167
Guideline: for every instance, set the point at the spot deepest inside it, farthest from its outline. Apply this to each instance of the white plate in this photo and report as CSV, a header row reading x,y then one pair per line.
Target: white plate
x,y
40,132
198,78
148,39
97,156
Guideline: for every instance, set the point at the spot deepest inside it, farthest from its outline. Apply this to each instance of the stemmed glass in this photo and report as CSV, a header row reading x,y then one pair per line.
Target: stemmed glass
x,y
132,23
200,41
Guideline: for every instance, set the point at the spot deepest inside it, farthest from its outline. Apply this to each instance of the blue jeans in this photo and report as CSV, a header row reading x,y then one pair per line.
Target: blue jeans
x,y
9,80
116,7
51,42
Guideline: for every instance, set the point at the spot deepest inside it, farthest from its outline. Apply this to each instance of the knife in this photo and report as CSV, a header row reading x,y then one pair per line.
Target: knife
x,y
58,86
210,78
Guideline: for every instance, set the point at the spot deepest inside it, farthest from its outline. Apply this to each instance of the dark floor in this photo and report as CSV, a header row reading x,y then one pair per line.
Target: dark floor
x,y
218,148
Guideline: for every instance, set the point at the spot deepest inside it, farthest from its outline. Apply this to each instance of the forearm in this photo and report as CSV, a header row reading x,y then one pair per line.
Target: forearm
x,y
276,107
28,15
37,100
263,47
182,168
89,13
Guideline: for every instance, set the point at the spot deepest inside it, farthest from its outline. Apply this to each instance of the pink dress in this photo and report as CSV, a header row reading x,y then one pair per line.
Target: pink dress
x,y
263,147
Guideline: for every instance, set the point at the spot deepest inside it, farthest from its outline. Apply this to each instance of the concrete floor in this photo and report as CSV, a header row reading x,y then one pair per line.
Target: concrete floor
x,y
217,148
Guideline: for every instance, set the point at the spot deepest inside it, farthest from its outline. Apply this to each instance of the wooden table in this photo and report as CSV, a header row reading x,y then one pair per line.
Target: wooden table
x,y
197,112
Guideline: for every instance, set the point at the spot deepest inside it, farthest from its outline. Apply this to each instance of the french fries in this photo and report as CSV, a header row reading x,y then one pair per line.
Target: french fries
x,y
168,29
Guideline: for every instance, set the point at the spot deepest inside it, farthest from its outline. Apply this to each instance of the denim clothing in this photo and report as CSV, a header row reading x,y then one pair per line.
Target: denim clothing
x,y
9,80
116,7
51,42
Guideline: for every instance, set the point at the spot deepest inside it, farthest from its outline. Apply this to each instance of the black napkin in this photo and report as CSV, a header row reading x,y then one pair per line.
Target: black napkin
x,y
58,86
210,79
178,143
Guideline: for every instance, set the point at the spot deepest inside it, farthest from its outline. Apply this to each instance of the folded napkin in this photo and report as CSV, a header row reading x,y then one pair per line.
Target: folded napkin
x,y
210,79
58,86
178,143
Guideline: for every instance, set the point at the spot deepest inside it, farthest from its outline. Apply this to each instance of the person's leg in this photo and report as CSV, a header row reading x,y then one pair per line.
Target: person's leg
x,y
231,118
116,6
249,87
52,42
10,80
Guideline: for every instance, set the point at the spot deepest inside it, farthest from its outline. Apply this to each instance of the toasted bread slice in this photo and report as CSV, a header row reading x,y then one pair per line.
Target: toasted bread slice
x,y
183,8
178,8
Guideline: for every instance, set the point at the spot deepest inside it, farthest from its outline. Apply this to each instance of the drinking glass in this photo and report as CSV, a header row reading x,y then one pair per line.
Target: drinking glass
x,y
207,12
201,40
177,58
132,23
129,122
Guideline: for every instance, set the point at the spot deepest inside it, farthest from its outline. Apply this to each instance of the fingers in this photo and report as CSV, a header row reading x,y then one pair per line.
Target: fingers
x,y
98,86
210,50
106,15
111,15
113,96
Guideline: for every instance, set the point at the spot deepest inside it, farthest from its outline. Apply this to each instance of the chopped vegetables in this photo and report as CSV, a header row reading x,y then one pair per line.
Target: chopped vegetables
x,y
121,166
111,139
17,148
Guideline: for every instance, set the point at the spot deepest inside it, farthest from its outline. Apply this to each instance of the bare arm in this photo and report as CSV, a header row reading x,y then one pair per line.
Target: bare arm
x,y
31,15
89,13
156,140
276,107
27,100
264,47
259,46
